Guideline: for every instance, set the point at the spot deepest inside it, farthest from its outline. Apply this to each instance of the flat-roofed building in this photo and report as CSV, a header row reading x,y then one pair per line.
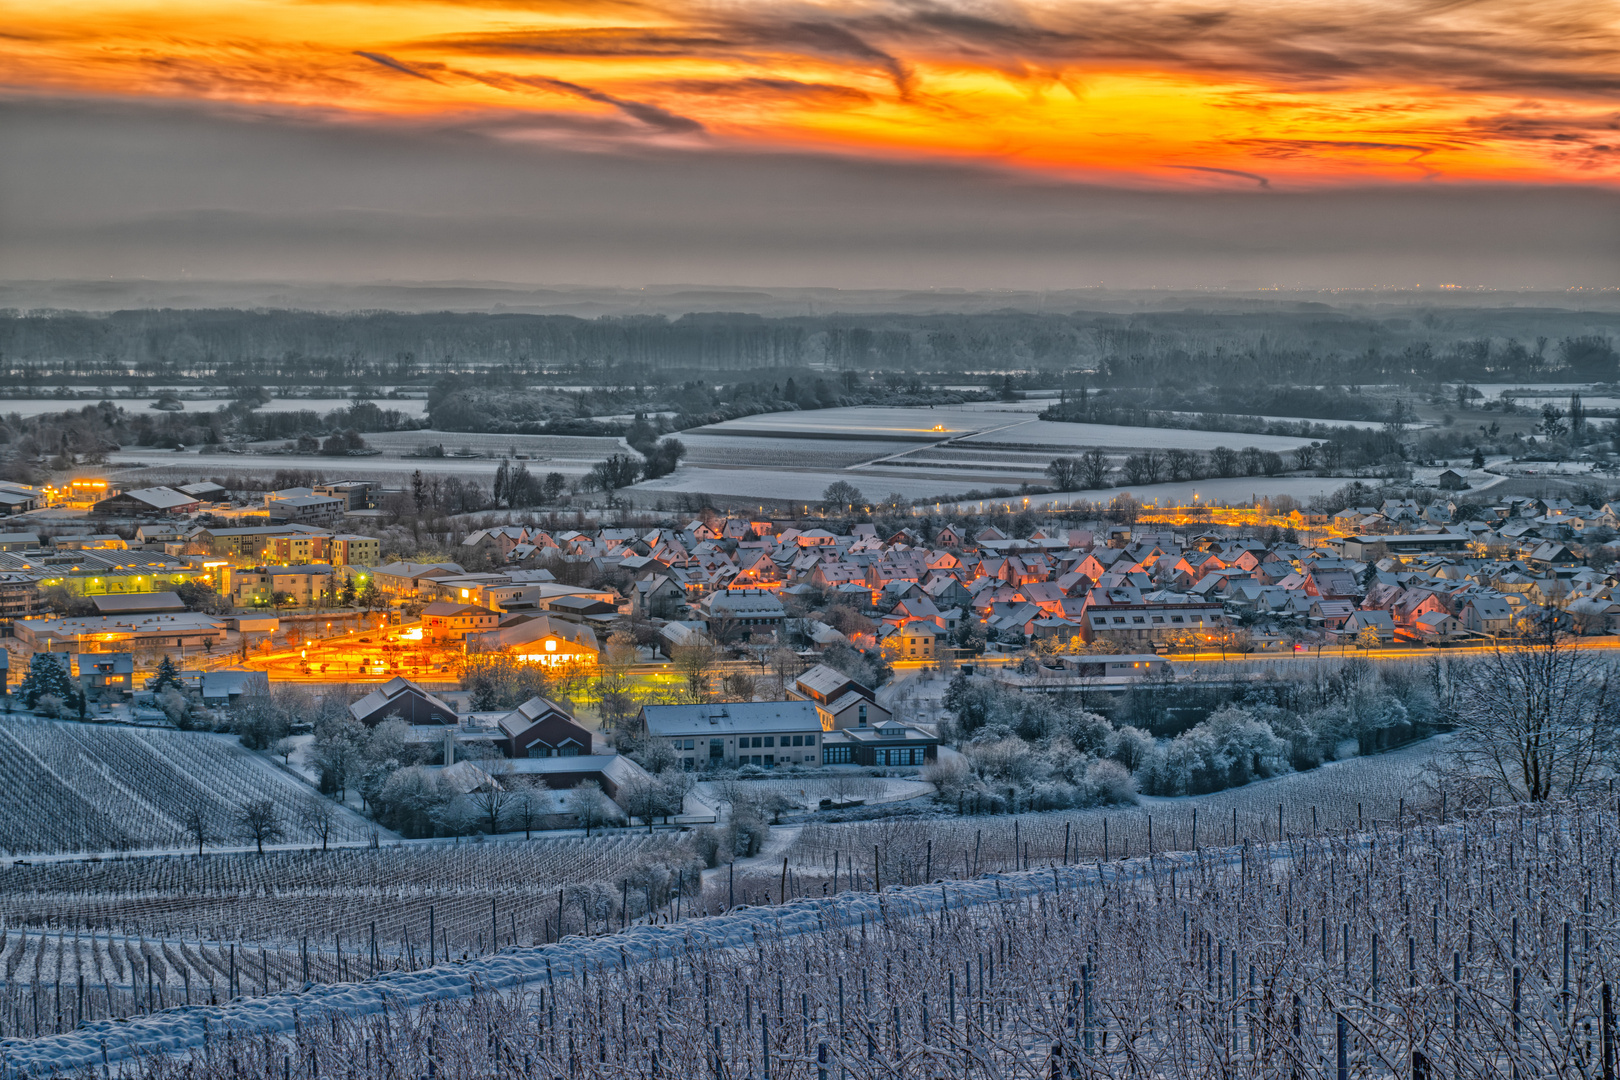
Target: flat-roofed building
x,y
122,633
147,501
763,733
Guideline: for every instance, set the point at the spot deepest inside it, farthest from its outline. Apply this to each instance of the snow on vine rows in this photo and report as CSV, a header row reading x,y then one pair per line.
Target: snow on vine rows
x,y
1348,794
1484,946
155,931
96,787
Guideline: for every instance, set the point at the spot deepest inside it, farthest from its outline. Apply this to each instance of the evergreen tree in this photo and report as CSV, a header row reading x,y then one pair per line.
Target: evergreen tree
x,y
167,675
47,676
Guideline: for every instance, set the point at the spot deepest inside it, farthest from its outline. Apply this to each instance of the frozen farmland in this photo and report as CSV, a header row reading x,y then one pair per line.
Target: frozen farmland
x,y
144,933
1473,948
95,787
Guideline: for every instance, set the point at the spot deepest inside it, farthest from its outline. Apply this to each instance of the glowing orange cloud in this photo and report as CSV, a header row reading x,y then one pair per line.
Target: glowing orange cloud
x,y
1263,94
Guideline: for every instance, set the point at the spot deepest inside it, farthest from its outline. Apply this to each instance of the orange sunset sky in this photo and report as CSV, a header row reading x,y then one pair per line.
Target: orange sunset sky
x,y
1268,92
907,143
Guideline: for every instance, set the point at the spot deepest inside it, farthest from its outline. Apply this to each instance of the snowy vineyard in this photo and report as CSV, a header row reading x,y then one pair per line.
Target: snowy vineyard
x,y
124,937
1354,795
1475,948
95,787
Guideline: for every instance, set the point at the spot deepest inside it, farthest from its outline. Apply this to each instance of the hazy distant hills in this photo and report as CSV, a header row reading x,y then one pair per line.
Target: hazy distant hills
x,y
680,299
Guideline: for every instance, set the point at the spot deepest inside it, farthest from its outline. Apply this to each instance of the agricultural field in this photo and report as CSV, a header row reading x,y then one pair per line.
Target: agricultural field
x,y
1066,438
1238,490
903,423
794,486
156,931
1482,947
1353,794
572,456
539,448
36,406
760,452
104,788
806,793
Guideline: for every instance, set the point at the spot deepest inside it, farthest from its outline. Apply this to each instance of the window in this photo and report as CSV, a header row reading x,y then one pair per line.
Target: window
x,y
717,749
835,755
688,744
863,716
770,740
1175,618
809,740
1119,620
798,740
1137,619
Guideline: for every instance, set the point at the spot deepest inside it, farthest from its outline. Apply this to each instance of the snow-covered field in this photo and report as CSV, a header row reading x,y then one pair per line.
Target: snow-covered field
x,y
796,486
1065,437
1214,492
1221,963
103,788
739,451
807,793
36,406
986,423
1341,794
873,422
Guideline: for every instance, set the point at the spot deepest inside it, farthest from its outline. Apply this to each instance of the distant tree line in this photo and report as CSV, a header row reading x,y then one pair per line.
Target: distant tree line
x,y
1308,344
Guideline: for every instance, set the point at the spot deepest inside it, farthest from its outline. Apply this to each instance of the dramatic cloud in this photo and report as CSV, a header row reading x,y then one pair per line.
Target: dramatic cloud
x,y
930,142
1301,92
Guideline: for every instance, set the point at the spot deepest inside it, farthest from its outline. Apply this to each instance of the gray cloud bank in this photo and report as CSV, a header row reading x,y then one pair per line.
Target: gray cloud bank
x,y
92,190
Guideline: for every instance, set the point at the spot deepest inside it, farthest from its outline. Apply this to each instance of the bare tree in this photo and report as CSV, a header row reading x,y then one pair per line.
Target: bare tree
x,y
588,805
641,798
493,799
528,808
1536,721
258,821
285,747
199,830
695,662
318,817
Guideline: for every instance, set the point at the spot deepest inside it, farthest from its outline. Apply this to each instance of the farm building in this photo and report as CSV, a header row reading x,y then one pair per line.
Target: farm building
x,y
610,771
401,699
541,728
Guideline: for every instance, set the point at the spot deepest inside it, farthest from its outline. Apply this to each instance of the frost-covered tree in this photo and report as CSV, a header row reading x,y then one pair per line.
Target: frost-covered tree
x,y
47,676
167,676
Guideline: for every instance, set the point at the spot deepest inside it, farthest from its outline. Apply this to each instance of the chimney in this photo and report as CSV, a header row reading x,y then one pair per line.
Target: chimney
x,y
449,746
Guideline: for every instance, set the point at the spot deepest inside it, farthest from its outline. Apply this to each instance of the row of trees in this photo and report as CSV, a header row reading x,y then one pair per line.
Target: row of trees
x,y
1095,468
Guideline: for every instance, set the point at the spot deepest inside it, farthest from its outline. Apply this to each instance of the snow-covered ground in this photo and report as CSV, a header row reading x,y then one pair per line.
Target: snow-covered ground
x,y
710,797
